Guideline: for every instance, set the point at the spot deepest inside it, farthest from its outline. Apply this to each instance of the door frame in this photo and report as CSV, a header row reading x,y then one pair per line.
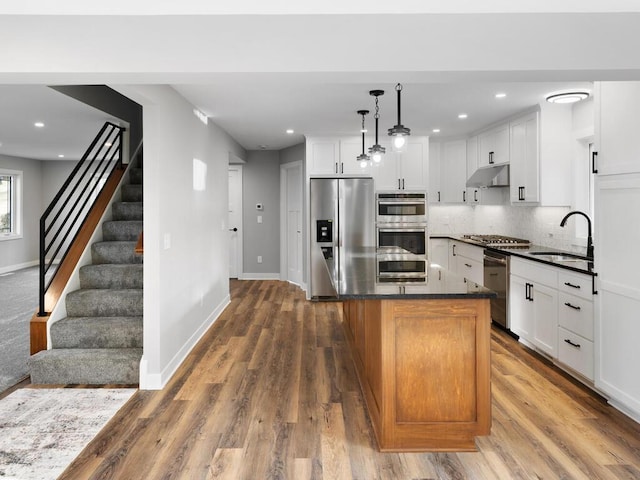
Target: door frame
x,y
284,173
239,251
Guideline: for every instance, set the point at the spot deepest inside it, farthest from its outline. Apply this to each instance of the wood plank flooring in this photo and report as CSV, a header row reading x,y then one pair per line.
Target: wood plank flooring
x,y
271,393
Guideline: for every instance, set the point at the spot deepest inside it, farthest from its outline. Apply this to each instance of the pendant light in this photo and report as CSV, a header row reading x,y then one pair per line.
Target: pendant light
x,y
399,132
363,158
376,151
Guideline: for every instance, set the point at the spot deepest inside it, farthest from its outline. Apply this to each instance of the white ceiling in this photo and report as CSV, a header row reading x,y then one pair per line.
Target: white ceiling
x,y
257,75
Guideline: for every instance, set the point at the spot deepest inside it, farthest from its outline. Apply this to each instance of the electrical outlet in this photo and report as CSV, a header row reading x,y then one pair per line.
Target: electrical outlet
x,y
259,258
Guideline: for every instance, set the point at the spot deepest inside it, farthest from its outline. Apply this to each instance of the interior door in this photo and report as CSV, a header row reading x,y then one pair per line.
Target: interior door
x,y
235,221
294,224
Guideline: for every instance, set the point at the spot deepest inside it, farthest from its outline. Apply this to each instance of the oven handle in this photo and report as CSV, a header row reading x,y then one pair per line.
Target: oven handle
x,y
500,261
404,230
404,201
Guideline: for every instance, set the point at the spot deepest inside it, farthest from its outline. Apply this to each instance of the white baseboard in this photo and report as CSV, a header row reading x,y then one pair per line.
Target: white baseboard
x,y
157,381
19,266
260,276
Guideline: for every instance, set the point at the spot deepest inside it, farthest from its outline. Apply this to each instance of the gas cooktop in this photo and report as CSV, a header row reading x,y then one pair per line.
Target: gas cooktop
x,y
499,241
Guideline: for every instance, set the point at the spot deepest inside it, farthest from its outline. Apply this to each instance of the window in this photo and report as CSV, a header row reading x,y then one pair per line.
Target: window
x,y
10,183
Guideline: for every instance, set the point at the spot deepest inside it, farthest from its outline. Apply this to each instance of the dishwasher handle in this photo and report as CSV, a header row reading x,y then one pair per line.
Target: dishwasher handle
x,y
500,261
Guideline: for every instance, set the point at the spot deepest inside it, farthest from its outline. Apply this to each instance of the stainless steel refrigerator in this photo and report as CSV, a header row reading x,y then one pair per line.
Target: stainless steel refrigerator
x,y
342,217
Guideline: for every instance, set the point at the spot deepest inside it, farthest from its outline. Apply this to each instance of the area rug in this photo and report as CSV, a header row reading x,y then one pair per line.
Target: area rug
x,y
43,430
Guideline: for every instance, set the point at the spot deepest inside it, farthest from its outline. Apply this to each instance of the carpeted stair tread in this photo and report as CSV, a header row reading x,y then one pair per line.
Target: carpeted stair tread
x,y
86,366
131,193
121,230
135,176
119,276
97,332
104,303
114,252
127,210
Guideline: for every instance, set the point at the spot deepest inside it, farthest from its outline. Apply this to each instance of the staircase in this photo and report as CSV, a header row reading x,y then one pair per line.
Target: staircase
x,y
100,340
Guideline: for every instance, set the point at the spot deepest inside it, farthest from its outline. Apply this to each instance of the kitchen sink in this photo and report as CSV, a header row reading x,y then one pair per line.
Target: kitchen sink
x,y
561,257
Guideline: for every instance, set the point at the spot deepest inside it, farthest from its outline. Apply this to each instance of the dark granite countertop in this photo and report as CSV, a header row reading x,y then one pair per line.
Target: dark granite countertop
x,y
360,282
555,257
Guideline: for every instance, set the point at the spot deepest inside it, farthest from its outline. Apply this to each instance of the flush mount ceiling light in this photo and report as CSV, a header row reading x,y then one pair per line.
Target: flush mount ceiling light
x,y
462,116
399,132
568,96
501,95
436,130
38,124
363,158
376,151
290,131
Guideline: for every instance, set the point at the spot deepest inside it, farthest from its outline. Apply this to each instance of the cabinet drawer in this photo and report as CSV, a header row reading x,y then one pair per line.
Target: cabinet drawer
x,y
576,284
470,269
470,251
576,314
578,354
535,272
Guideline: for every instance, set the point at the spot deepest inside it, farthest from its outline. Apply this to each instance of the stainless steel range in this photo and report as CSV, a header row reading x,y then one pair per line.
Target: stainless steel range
x,y
499,241
496,272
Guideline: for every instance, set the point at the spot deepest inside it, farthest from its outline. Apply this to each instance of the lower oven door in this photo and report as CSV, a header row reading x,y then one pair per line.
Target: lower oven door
x,y
402,266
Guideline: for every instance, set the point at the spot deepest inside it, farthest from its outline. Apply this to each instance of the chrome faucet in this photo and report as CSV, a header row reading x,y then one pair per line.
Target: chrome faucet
x,y
589,236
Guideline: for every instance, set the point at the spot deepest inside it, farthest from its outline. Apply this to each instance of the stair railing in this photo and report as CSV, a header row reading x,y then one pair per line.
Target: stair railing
x,y
63,218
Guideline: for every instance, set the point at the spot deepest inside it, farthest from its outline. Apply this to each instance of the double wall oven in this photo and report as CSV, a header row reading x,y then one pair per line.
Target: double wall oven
x,y
401,230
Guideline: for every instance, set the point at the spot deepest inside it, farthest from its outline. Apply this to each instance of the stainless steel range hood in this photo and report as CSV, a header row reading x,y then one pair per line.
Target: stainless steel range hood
x,y
491,176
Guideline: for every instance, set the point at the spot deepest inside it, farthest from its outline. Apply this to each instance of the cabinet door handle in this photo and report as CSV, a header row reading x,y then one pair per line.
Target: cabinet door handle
x,y
576,345
572,306
594,155
490,157
453,251
475,195
399,184
403,183
438,196
569,284
526,291
520,193
468,265
336,169
464,196
342,168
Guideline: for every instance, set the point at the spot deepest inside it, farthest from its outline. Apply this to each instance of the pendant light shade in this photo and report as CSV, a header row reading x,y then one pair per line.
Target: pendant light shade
x,y
399,132
363,158
377,151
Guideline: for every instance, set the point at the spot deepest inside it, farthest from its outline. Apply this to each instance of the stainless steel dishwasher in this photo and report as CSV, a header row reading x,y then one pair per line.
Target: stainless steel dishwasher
x,y
496,278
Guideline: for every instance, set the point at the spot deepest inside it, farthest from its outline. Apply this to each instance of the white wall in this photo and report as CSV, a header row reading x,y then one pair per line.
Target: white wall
x,y
23,251
186,286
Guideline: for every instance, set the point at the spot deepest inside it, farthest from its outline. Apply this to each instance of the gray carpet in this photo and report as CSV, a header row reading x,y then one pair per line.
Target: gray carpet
x,y
18,303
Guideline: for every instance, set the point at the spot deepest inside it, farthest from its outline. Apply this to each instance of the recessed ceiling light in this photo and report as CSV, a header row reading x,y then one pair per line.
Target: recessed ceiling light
x,y
568,96
61,156
436,130
38,124
290,131
501,95
462,116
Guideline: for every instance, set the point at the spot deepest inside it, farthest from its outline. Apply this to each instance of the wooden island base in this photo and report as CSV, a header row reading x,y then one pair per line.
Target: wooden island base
x,y
424,368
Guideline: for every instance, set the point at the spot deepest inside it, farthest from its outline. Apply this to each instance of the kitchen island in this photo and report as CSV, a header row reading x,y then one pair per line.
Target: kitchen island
x,y
422,354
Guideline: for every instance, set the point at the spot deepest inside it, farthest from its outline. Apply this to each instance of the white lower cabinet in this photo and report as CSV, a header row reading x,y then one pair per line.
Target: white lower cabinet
x,y
439,252
467,260
551,309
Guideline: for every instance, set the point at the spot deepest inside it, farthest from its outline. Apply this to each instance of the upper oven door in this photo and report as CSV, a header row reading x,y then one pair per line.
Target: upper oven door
x,y
401,208
410,239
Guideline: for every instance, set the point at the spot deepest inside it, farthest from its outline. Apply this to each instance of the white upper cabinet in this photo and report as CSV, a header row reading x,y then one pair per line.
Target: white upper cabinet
x,y
617,126
323,156
334,156
493,146
404,171
473,193
453,171
541,155
524,175
349,151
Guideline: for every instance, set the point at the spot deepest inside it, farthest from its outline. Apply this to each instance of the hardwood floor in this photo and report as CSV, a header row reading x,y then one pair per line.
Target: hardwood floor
x,y
271,393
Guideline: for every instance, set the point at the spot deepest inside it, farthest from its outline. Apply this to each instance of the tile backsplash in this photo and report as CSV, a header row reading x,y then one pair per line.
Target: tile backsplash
x,y
540,225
